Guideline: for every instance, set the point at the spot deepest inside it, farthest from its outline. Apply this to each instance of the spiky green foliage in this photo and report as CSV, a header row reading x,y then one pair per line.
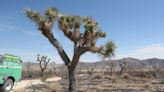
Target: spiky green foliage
x,y
69,22
110,49
51,13
101,34
34,16
90,25
44,22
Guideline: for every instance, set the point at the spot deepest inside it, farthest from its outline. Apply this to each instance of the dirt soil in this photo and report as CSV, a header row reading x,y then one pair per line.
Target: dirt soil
x,y
32,85
95,82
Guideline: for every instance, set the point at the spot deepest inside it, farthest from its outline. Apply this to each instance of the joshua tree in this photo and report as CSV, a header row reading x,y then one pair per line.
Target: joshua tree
x,y
53,67
156,70
43,62
28,66
78,69
90,71
84,40
112,66
124,66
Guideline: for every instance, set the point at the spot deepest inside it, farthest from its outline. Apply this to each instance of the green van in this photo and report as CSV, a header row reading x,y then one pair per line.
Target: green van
x,y
10,71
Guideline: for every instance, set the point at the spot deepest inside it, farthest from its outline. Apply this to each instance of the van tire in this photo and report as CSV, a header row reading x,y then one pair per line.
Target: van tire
x,y
7,85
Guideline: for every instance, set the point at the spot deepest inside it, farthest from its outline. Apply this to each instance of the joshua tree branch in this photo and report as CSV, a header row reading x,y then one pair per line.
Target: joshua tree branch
x,y
49,35
94,49
45,25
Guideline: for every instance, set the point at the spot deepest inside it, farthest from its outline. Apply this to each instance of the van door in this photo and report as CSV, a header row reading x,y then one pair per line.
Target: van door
x,y
1,68
5,69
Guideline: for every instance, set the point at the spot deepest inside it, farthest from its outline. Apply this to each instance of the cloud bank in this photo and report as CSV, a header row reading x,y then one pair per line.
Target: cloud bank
x,y
151,51
147,52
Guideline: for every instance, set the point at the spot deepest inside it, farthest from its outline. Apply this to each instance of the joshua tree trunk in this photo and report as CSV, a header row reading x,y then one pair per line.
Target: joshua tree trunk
x,y
111,71
71,71
41,74
72,79
121,71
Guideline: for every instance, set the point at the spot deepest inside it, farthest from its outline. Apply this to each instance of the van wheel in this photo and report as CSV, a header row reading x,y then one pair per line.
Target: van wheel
x,y
8,85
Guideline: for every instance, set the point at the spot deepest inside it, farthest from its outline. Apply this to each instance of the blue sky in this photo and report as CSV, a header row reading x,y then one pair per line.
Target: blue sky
x,y
136,26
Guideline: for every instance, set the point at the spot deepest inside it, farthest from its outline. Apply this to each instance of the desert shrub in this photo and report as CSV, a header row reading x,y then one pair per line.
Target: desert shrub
x,y
159,88
62,72
126,76
123,65
53,68
148,86
28,66
112,65
98,76
35,72
79,70
156,70
90,71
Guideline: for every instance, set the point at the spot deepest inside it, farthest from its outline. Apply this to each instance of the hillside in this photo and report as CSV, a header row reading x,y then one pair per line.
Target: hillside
x,y
134,63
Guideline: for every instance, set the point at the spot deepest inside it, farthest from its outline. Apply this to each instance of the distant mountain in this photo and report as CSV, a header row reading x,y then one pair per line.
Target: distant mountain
x,y
134,63
146,64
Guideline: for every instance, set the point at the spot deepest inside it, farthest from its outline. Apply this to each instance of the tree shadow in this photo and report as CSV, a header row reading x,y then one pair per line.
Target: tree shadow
x,y
45,86
36,87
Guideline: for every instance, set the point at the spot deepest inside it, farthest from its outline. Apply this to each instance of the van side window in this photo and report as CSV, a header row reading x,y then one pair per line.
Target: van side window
x,y
1,58
21,61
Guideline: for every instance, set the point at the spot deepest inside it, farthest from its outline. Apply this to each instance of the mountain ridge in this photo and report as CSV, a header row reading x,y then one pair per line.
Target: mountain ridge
x,y
133,63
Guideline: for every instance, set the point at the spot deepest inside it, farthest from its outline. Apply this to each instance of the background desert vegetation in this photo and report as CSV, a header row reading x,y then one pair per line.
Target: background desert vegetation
x,y
140,76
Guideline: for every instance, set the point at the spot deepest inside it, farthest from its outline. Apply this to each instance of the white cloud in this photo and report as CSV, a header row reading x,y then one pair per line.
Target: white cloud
x,y
31,32
10,28
6,27
151,51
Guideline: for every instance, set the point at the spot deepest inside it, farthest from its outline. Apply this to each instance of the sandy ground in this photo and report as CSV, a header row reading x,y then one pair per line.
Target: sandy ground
x,y
26,83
